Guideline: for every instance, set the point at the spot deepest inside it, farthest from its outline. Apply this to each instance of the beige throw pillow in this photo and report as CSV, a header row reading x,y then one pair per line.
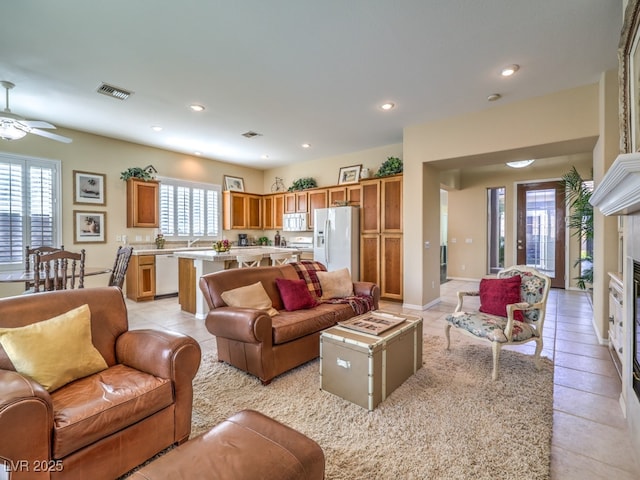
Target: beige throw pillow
x,y
336,284
54,352
251,296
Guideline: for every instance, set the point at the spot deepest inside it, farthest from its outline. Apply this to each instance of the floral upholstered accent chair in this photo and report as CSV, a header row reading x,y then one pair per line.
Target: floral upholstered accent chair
x,y
512,311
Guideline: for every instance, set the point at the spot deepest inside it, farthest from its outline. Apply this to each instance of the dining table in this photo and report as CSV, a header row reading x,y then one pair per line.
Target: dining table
x,y
16,276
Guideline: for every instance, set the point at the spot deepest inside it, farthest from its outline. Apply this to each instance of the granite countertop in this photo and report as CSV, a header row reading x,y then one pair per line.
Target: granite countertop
x,y
213,256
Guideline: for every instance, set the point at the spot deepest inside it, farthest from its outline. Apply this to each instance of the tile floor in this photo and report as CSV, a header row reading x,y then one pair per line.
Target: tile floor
x,y
590,441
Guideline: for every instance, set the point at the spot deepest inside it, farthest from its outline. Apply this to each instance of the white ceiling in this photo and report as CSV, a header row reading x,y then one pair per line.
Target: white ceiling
x,y
295,71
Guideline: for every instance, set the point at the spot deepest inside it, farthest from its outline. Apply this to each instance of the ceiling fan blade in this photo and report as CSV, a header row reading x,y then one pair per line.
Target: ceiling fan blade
x,y
36,124
52,136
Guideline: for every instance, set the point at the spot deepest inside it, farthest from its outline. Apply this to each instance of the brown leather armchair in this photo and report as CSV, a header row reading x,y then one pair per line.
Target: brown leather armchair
x,y
103,425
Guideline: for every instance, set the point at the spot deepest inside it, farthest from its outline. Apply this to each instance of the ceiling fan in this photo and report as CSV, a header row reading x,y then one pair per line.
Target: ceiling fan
x,y
13,127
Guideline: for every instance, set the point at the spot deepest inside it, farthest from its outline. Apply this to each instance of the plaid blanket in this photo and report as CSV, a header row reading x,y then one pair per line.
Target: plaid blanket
x,y
307,269
359,303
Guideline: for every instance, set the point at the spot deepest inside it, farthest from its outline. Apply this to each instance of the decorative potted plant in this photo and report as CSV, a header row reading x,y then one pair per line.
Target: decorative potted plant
x,y
580,221
303,184
392,166
146,173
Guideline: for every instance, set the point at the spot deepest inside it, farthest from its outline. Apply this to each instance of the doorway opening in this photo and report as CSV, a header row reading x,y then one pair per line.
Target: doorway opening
x,y
541,229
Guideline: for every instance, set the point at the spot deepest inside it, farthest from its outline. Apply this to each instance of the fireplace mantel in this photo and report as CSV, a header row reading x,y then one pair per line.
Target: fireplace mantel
x,y
619,191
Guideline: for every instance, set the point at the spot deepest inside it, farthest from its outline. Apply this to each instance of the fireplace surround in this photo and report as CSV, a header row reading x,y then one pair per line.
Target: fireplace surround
x,y
636,328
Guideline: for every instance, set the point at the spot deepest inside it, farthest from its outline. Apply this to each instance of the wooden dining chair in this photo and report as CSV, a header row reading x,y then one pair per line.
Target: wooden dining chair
x,y
119,270
59,270
282,258
248,260
29,257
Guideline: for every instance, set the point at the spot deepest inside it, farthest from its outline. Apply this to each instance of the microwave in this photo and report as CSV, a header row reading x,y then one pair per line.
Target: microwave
x,y
295,222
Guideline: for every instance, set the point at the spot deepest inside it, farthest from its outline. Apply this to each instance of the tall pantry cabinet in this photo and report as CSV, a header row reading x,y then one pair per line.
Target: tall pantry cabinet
x,y
381,235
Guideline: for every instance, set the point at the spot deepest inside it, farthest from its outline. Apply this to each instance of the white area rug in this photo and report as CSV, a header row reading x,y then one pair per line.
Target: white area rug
x,y
448,421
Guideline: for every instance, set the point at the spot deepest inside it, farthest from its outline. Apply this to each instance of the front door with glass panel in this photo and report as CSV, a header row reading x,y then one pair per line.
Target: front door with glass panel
x,y
541,230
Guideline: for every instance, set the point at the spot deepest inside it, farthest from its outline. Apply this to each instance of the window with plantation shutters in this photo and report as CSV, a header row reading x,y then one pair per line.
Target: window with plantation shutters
x,y
189,210
29,213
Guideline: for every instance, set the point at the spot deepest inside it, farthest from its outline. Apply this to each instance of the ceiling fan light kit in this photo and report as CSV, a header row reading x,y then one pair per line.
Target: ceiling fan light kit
x,y
13,127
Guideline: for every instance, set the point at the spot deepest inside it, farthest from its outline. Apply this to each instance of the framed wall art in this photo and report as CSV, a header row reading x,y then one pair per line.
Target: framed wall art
x,y
233,183
89,188
89,227
349,175
629,79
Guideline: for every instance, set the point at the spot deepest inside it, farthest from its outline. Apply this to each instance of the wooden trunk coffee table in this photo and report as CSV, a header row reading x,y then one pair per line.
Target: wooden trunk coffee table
x,y
364,368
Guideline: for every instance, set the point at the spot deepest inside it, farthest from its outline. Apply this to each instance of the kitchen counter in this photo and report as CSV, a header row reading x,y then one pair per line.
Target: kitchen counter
x,y
193,264
213,256
208,251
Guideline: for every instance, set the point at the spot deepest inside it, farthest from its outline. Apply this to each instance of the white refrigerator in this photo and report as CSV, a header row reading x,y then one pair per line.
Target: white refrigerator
x,y
336,239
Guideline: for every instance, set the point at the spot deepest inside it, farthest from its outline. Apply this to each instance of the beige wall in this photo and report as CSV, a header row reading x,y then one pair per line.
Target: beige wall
x,y
325,170
562,123
467,219
93,153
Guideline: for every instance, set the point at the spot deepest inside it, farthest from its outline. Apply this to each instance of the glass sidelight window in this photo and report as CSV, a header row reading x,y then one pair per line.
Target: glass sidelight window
x,y
495,228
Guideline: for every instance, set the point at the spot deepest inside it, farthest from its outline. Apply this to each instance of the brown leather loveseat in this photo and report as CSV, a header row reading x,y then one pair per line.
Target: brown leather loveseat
x,y
266,346
102,425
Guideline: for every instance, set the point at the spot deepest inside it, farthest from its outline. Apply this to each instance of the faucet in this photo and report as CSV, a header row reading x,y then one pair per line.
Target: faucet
x,y
191,242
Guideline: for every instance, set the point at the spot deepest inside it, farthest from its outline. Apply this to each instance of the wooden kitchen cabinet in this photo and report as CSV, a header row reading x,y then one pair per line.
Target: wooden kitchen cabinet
x,y
337,195
143,203
272,210
391,271
370,207
187,282
141,278
381,253
350,194
241,211
295,202
391,205
370,258
316,199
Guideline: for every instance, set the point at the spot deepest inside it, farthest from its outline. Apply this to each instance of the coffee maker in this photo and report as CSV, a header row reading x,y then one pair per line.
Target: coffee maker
x,y
243,241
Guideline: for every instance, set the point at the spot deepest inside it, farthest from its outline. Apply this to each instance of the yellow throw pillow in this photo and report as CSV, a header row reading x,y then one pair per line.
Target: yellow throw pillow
x,y
54,352
336,284
251,296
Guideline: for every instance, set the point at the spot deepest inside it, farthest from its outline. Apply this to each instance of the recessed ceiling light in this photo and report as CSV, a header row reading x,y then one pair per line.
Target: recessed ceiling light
x,y
156,128
510,70
197,153
493,97
265,157
196,108
387,106
306,145
520,163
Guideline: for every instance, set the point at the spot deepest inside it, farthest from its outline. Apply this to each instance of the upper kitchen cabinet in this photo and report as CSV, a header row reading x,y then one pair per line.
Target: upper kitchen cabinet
x,y
381,205
350,194
316,199
272,210
142,203
241,211
295,202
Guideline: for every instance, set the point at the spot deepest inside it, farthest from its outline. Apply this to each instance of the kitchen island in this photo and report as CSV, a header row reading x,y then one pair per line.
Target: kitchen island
x,y
194,264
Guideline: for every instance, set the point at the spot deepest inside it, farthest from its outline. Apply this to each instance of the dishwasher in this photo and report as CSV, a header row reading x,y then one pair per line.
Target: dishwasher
x,y
166,275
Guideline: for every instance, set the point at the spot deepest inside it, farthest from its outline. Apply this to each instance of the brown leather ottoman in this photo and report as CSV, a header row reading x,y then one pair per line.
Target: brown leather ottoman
x,y
247,446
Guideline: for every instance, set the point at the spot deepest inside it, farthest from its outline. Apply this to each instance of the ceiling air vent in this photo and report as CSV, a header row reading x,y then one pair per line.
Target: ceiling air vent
x,y
115,92
251,134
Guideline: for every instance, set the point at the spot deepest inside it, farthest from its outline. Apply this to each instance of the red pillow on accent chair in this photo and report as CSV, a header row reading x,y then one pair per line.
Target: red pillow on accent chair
x,y
295,294
497,293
